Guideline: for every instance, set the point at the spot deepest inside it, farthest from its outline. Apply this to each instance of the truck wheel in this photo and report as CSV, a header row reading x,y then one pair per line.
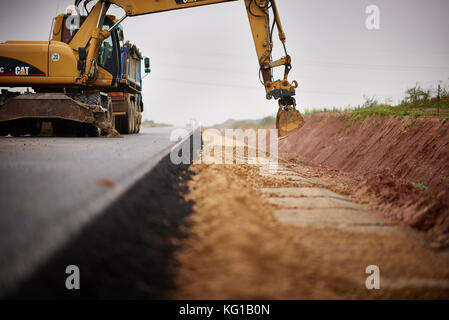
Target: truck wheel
x,y
125,124
118,124
122,123
138,117
132,117
139,121
126,121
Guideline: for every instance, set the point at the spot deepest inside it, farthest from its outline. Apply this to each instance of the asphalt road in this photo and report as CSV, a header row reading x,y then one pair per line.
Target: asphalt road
x,y
50,187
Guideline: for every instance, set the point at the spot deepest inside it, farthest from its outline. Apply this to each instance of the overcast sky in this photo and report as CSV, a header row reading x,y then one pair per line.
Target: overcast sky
x,y
204,64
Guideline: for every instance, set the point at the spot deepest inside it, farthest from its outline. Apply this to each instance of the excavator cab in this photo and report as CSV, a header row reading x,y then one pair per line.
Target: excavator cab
x,y
109,56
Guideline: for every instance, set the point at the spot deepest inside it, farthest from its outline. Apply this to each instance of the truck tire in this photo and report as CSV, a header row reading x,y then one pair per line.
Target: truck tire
x,y
132,117
123,123
118,124
129,123
139,120
136,118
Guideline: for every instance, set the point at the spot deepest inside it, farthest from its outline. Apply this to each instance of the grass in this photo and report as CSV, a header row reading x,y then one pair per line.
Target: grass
x,y
268,121
313,111
427,108
416,103
421,185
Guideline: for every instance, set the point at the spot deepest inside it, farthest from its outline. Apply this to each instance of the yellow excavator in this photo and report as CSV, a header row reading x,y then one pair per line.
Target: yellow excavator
x,y
73,76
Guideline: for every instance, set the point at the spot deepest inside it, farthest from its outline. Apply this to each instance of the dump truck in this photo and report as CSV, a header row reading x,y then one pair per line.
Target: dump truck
x,y
77,76
127,102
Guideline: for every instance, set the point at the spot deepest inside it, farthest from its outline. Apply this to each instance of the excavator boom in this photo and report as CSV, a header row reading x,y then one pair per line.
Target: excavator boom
x,y
141,7
288,118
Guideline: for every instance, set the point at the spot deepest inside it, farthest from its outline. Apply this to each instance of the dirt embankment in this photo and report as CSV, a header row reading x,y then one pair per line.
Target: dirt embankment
x,y
387,154
238,249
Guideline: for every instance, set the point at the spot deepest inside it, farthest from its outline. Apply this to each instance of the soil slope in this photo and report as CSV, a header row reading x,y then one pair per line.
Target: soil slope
x,y
389,153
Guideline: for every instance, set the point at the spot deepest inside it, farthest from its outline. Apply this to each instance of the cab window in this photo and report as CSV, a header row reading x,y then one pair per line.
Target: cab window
x,y
106,53
109,52
70,27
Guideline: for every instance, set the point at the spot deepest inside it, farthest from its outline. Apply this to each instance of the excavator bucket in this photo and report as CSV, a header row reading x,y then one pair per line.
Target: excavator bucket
x,y
288,120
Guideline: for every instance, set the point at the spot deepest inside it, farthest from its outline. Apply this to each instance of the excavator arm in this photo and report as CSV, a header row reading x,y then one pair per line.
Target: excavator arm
x,y
91,35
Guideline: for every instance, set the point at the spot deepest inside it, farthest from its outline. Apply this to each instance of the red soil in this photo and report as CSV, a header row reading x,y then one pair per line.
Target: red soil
x,y
388,153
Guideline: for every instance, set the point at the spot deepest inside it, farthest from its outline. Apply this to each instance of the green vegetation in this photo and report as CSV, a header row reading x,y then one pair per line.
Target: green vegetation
x,y
268,121
312,111
418,102
425,109
422,185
